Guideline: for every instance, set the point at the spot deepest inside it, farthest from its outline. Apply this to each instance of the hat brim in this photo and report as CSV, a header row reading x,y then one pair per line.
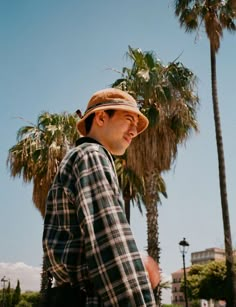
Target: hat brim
x,y
142,123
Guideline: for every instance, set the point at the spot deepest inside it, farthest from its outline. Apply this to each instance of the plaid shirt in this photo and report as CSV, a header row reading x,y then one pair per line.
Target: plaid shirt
x,y
86,236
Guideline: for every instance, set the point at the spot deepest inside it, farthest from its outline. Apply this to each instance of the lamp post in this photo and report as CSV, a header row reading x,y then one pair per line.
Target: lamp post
x,y
183,247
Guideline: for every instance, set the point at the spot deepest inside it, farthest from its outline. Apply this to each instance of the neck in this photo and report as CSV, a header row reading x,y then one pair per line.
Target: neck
x,y
94,136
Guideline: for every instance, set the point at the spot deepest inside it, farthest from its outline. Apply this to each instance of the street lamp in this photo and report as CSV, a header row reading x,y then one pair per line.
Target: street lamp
x,y
183,247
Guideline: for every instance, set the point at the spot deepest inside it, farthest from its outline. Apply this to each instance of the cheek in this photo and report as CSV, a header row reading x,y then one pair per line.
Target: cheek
x,y
117,129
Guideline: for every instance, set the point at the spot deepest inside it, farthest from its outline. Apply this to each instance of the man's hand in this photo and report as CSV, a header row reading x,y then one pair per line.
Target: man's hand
x,y
153,270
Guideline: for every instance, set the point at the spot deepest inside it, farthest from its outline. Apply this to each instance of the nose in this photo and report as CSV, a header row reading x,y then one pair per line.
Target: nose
x,y
133,131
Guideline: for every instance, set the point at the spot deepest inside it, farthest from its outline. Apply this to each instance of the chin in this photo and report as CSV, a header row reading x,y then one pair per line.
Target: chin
x,y
118,152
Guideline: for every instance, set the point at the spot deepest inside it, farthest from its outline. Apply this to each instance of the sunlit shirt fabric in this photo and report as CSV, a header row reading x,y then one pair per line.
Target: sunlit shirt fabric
x,y
86,235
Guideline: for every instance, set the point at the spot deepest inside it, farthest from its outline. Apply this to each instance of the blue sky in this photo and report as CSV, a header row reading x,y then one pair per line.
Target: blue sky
x,y
55,54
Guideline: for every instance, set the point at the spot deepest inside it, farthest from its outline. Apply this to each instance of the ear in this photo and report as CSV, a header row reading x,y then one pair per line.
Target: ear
x,y
100,118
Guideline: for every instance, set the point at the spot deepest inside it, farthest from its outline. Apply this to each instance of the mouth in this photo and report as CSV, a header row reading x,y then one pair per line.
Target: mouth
x,y
127,139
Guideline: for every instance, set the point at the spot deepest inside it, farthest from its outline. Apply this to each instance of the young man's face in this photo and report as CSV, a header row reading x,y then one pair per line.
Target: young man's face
x,y
118,131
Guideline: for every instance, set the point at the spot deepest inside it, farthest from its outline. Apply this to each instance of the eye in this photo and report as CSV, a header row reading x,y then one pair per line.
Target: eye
x,y
130,118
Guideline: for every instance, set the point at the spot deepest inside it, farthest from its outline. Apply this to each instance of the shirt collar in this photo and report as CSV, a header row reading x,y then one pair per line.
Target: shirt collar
x,y
86,139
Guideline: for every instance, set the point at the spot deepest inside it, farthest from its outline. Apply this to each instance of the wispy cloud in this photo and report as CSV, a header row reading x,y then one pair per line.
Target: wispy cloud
x,y
28,276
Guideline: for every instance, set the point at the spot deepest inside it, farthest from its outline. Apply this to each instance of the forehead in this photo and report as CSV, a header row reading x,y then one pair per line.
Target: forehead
x,y
133,116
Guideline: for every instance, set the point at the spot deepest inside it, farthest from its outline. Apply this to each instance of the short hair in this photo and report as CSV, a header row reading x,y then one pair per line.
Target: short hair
x,y
89,119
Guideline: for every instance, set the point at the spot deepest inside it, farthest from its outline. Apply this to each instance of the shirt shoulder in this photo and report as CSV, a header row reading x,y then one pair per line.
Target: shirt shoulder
x,y
88,149
86,156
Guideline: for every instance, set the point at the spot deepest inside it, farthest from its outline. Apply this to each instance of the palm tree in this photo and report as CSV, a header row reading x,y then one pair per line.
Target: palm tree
x,y
216,16
165,94
37,155
39,151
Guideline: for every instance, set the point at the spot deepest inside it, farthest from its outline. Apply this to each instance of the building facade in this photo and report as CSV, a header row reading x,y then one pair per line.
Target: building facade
x,y
209,254
177,297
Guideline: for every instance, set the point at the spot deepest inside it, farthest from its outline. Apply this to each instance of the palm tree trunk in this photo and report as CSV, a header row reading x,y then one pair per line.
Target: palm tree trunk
x,y
44,277
44,284
127,208
231,277
151,200
152,230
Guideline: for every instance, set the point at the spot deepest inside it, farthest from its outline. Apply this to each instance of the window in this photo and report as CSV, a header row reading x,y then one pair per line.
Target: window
x,y
181,299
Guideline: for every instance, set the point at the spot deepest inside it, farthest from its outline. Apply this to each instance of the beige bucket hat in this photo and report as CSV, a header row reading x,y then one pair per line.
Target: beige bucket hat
x,y
112,99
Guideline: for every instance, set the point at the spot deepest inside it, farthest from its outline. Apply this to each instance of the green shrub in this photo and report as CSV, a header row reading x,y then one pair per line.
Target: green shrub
x,y
24,303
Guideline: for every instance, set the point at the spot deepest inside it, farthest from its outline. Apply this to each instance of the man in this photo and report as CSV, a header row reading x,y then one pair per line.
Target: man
x,y
88,244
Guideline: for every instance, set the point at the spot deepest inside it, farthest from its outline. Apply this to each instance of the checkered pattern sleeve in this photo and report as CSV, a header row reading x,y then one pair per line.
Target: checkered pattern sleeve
x,y
114,263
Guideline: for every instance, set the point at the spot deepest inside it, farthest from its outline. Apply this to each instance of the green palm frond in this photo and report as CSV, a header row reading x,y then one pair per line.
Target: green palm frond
x,y
130,182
